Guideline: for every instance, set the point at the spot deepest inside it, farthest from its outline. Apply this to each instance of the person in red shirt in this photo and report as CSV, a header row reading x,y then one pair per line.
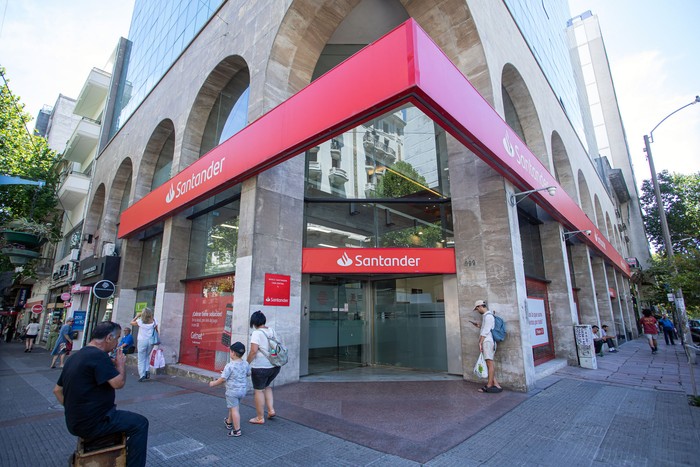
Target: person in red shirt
x,y
650,328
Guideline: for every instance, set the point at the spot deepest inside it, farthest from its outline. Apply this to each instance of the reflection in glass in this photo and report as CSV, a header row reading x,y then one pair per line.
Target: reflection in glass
x,y
384,183
214,241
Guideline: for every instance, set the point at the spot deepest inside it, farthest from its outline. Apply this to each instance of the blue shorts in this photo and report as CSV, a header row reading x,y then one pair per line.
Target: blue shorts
x,y
233,400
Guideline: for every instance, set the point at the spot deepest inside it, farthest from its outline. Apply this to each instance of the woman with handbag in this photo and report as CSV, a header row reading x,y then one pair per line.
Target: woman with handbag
x,y
147,338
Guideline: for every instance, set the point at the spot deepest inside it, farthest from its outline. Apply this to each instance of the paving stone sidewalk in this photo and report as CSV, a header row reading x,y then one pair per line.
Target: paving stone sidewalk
x,y
631,411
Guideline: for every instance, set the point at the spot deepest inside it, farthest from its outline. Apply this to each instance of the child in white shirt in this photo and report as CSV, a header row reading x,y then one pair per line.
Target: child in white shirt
x,y
235,376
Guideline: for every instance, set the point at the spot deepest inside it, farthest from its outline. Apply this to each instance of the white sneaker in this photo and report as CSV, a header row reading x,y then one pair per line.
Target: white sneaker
x,y
613,349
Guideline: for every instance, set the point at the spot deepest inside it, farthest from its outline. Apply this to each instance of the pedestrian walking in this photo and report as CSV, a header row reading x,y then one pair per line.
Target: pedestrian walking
x,y
86,389
53,334
262,372
650,329
30,333
147,326
487,345
65,337
235,375
668,329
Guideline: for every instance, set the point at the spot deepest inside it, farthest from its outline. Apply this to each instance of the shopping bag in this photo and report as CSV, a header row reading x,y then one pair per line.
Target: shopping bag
x,y
480,369
155,338
157,359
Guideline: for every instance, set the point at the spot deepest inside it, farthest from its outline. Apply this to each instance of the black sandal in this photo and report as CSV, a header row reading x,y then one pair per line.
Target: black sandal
x,y
235,433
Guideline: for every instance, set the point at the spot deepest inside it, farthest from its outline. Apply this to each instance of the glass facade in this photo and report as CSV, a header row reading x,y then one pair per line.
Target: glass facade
x,y
384,183
543,26
159,32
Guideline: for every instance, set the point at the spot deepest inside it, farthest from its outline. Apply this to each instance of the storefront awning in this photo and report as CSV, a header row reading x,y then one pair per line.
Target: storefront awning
x,y
403,66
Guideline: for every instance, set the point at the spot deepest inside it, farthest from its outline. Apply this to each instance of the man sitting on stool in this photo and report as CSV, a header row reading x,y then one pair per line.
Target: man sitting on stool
x,y
86,390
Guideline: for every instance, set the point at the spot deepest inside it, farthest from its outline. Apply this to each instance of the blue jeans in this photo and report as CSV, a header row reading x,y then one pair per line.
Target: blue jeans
x,y
144,357
134,425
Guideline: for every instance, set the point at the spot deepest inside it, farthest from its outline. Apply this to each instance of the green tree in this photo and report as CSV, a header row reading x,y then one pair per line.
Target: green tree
x,y
680,195
26,156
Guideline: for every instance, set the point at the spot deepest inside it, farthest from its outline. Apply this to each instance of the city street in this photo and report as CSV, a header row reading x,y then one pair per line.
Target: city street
x,y
633,410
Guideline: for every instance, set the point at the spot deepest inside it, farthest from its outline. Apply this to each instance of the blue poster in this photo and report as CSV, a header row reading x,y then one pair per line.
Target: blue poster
x,y
79,320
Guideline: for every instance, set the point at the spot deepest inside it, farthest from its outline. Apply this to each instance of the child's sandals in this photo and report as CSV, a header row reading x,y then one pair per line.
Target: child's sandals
x,y
229,426
235,433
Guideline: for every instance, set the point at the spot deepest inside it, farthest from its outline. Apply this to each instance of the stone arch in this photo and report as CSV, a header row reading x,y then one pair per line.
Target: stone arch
x,y
599,218
520,113
309,24
120,183
231,70
160,144
562,166
91,226
585,197
612,237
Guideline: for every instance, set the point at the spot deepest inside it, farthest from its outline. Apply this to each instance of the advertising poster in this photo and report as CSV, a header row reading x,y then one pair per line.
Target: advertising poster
x,y
206,331
79,320
538,321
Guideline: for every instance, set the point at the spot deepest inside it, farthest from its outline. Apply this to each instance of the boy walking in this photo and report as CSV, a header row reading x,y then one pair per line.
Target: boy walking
x,y
235,376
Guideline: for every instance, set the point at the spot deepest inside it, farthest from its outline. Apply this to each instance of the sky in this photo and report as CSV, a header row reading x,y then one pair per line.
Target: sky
x,y
49,47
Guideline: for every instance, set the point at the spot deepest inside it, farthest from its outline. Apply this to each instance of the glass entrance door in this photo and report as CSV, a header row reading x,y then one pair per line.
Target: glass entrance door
x,y
337,324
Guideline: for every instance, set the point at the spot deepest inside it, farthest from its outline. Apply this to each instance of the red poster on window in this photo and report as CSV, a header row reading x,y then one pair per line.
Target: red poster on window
x,y
277,290
206,329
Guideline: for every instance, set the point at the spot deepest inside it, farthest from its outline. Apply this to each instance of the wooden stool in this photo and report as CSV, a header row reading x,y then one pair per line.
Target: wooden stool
x,y
105,451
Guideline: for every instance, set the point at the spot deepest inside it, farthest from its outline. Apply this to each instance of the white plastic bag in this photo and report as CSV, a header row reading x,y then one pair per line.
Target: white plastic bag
x,y
157,359
480,369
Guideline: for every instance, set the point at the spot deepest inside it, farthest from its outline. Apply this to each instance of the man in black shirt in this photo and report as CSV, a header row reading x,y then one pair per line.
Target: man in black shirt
x,y
86,390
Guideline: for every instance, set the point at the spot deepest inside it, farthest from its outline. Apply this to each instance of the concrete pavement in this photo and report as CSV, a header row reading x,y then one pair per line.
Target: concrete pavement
x,y
633,410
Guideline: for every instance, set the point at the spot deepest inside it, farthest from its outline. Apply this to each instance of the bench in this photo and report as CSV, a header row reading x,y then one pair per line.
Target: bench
x,y
105,451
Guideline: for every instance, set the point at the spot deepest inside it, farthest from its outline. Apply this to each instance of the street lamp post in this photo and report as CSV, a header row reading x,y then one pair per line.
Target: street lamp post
x,y
680,304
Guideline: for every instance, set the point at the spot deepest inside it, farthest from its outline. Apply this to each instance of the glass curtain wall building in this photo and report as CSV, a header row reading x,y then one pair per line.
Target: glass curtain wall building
x,y
159,32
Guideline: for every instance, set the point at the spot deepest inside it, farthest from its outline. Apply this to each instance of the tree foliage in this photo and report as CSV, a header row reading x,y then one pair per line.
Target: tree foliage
x,y
29,157
680,195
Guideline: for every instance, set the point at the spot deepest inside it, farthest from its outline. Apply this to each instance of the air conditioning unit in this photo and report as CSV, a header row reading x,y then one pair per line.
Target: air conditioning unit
x,y
75,255
108,249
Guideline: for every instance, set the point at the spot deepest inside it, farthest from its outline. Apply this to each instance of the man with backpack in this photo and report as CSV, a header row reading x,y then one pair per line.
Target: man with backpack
x,y
487,345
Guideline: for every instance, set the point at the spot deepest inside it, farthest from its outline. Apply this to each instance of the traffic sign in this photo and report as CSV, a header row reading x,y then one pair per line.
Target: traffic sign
x,y
103,289
37,308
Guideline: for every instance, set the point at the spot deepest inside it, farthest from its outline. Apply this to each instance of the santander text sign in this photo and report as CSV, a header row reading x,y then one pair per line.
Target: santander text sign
x,y
378,260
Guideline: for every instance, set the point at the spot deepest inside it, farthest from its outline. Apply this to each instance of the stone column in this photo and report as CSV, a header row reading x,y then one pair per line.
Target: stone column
x,y
489,259
170,291
583,275
561,301
270,240
601,290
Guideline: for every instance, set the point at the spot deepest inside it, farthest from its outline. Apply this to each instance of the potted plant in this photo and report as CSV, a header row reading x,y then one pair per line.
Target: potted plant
x,y
22,231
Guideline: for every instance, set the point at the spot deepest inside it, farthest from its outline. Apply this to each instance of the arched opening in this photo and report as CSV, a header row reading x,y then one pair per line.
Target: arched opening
x,y
585,197
562,166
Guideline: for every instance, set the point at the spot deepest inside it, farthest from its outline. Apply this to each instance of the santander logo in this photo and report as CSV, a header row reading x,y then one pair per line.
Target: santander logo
x,y
195,180
508,146
344,260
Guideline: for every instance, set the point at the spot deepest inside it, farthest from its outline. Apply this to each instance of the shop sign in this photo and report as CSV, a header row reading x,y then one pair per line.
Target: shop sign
x,y
67,304
65,296
79,289
378,260
277,290
406,66
79,320
37,308
537,318
103,289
